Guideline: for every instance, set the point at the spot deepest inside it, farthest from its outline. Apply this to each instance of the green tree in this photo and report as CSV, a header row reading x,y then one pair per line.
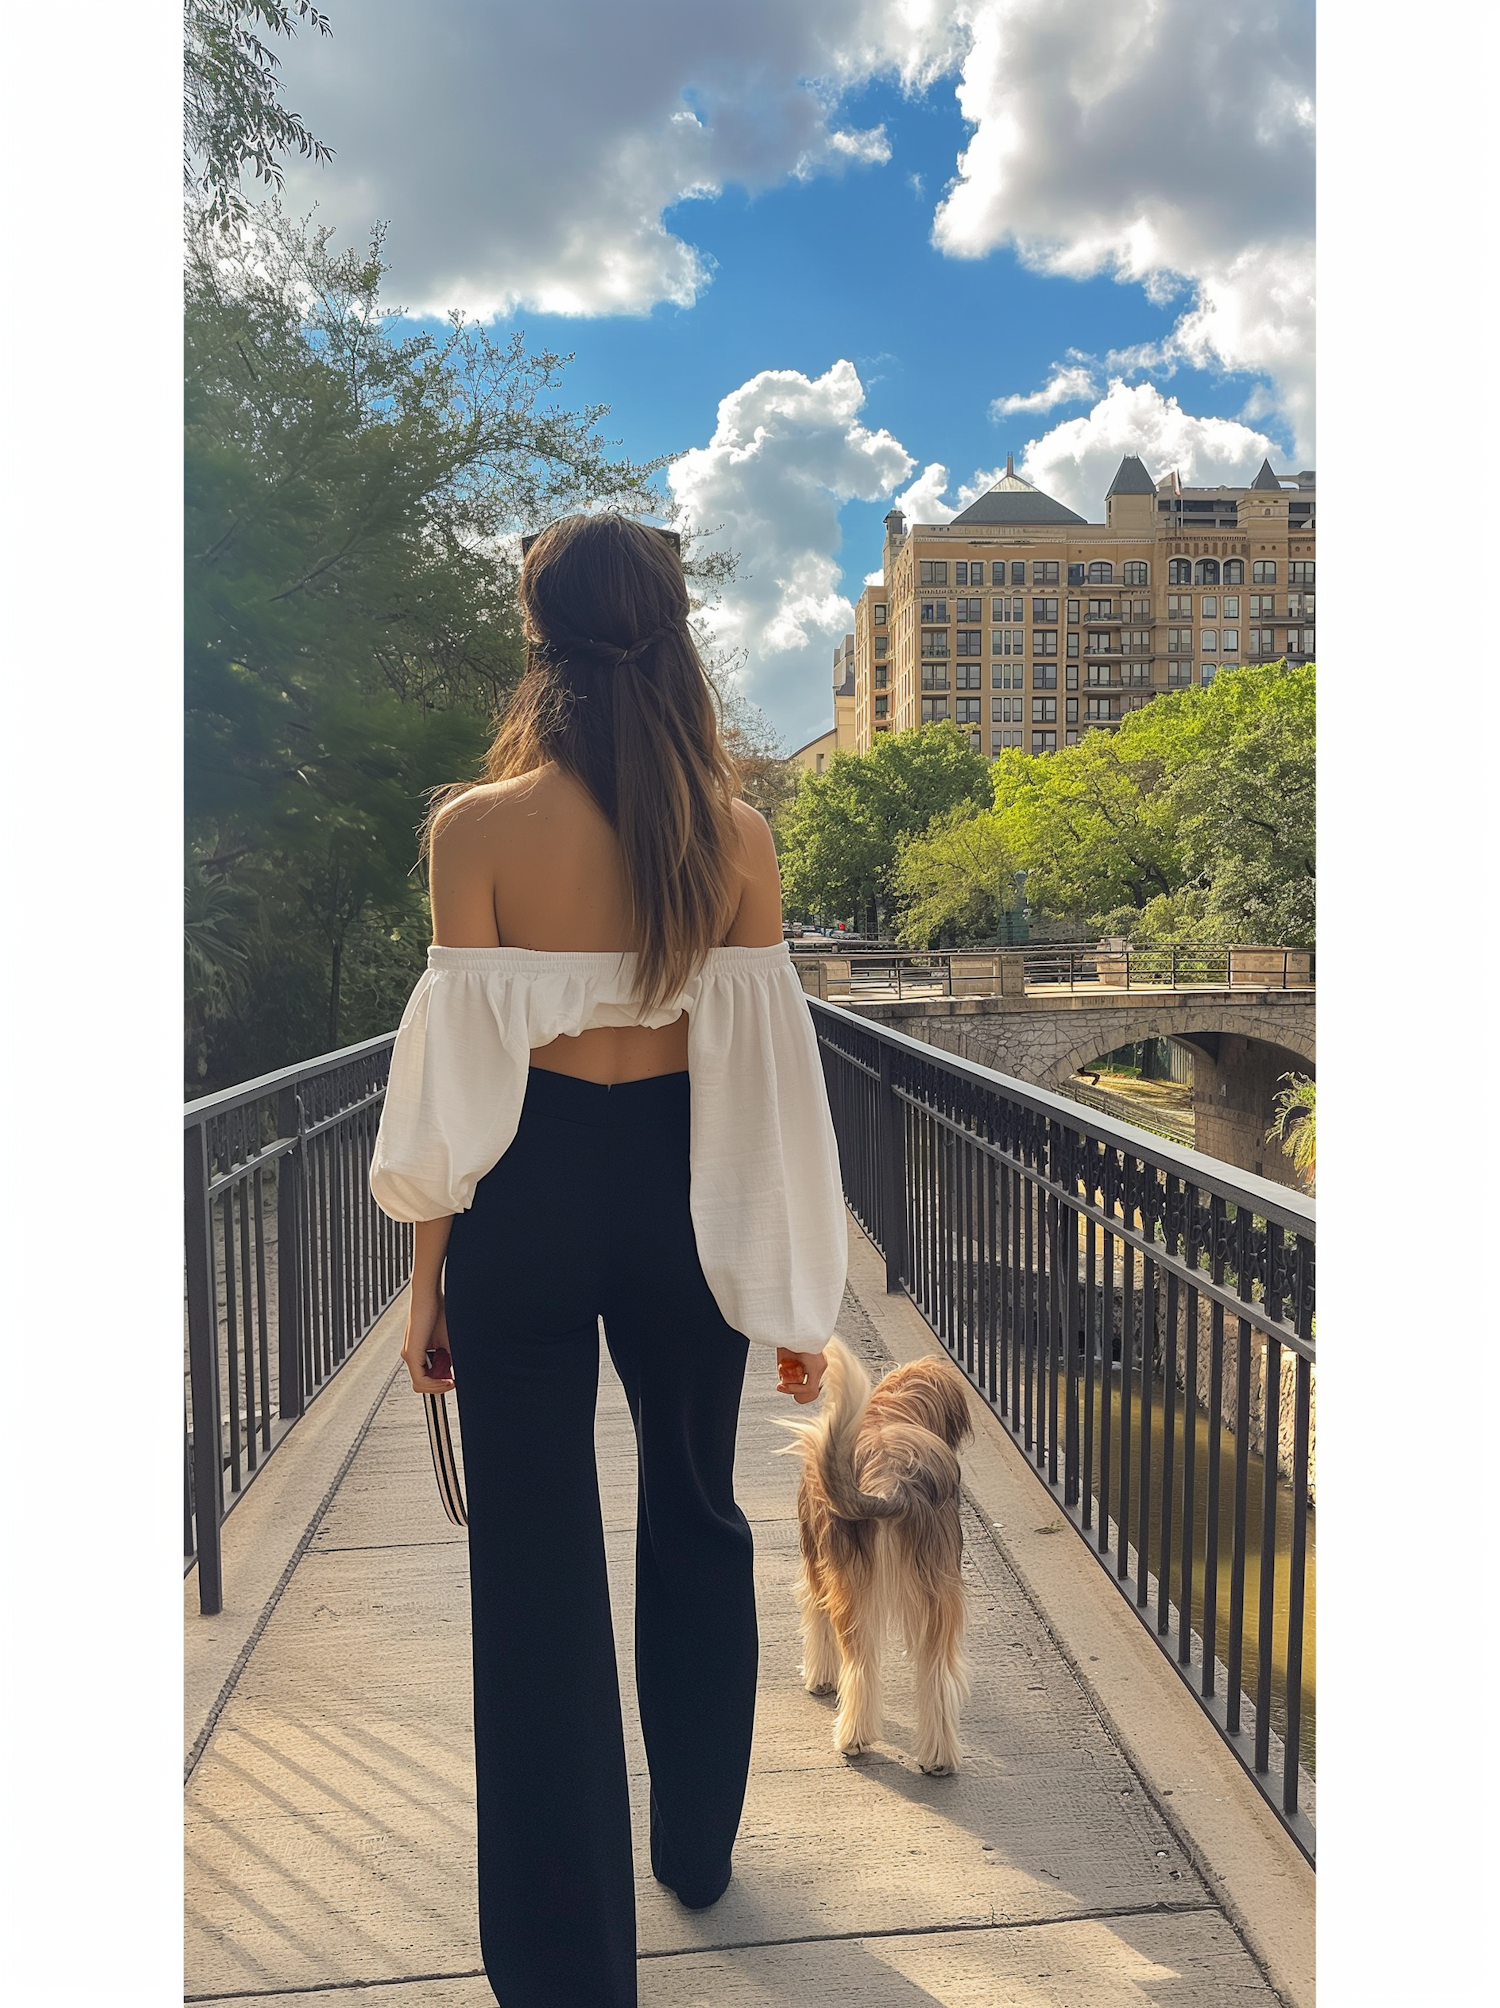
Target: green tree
x,y
840,834
351,630
1296,1125
233,117
954,880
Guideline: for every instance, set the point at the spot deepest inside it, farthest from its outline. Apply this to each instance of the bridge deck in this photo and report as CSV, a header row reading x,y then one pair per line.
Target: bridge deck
x,y
330,1817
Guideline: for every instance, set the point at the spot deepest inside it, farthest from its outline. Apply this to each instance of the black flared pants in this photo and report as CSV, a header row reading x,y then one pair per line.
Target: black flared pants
x,y
586,1217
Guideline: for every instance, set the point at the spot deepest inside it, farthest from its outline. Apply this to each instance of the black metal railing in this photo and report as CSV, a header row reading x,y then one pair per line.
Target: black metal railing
x,y
289,1262
1133,1313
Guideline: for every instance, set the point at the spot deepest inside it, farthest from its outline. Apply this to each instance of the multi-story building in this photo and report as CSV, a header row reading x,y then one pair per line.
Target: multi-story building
x,y
815,755
1029,626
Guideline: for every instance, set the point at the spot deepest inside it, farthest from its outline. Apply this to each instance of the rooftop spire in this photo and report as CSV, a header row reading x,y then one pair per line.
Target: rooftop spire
x,y
1266,478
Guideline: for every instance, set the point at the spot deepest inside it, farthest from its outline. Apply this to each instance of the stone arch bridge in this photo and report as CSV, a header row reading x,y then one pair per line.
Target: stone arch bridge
x,y
1242,1040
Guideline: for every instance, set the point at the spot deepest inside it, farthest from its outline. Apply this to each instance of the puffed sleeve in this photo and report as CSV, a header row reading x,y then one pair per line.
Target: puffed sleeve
x,y
767,1198
453,1099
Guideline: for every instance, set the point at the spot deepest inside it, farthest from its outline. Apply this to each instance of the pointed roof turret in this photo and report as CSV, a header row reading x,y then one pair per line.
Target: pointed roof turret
x,y
1266,478
1131,478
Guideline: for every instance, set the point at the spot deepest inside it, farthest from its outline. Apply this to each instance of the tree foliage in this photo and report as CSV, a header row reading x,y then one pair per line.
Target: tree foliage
x,y
840,834
1296,1125
954,880
350,614
233,117
1195,821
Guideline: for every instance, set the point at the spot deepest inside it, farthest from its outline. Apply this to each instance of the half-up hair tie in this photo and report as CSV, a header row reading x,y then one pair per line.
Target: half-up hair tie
x,y
559,648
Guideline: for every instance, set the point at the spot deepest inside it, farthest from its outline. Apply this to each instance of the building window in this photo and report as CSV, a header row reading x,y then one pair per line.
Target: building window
x,y
1135,610
1262,644
934,708
1000,710
882,645
1179,638
1078,575
1072,710
1234,572
1209,610
1208,641
1007,641
968,610
1136,641
934,676
1262,606
961,573
1044,641
1044,572
1299,606
1206,572
1044,676
1099,644
1232,607
1008,610
1179,606
970,641
1004,676
1101,572
1073,606
1135,672
1231,645
881,706
968,676
932,572
1208,672
880,675
1101,610
1018,571
966,710
1263,572
1136,573
1179,673
1044,710
1044,742
1302,572
934,641
878,613
1180,572
1072,641
1072,679
1299,641
934,610
1044,610
1098,708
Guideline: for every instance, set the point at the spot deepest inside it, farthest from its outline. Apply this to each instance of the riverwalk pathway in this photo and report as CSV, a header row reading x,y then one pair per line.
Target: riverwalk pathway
x,y
1099,1846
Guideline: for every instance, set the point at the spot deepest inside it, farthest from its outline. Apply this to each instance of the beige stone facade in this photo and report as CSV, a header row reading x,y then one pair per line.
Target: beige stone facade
x,y
1029,626
842,737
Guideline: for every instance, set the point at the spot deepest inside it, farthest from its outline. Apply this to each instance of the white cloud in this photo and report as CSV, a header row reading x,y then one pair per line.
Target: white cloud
x,y
923,501
1166,147
528,156
788,451
1077,460
1066,385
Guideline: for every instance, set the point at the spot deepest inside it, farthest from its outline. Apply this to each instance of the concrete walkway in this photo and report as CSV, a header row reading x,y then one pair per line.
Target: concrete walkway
x,y
330,1852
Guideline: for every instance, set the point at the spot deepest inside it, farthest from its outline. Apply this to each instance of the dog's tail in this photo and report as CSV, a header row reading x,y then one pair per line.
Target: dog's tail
x,y
827,1440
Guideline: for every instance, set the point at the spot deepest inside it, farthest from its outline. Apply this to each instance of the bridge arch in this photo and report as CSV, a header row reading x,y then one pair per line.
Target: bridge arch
x,y
1189,1025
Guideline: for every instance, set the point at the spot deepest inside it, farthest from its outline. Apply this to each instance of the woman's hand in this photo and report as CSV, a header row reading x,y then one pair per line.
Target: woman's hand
x,y
426,1329
799,1374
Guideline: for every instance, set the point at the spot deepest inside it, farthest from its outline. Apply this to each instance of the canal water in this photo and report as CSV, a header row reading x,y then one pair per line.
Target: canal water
x,y
1229,1450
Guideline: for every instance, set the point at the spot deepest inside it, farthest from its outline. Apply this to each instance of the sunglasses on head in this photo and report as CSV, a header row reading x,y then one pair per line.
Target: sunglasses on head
x,y
671,536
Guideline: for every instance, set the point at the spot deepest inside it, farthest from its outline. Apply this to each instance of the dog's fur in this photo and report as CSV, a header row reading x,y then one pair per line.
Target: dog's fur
x,y
882,1542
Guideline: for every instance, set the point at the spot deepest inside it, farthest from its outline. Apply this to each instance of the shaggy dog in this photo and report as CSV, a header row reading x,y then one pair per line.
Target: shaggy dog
x,y
878,1508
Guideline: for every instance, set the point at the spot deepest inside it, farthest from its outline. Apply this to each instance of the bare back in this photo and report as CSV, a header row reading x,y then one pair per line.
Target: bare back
x,y
533,863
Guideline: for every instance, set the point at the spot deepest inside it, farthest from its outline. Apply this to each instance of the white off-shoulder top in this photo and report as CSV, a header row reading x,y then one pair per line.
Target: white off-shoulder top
x,y
766,1196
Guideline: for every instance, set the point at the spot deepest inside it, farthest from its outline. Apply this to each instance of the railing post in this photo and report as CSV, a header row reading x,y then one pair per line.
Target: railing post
x,y
893,1157
1174,965
292,1396
203,1370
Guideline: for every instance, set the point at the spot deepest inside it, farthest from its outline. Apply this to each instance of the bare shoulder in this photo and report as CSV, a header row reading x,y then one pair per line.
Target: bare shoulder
x,y
757,924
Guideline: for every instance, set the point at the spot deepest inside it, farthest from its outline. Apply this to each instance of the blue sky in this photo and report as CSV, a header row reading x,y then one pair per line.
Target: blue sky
x,y
807,245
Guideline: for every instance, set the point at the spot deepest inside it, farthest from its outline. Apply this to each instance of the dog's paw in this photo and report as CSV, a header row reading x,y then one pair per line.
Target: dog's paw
x,y
939,1768
854,1751
820,1687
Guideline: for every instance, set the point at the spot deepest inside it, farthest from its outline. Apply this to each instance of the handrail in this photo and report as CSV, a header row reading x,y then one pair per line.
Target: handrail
x,y
1126,1307
289,1263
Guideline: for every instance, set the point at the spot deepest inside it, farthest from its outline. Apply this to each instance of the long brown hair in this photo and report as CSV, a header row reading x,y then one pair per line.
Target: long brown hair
x,y
615,693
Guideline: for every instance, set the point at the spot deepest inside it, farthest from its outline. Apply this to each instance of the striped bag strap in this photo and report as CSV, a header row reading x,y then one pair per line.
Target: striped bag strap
x,y
444,1464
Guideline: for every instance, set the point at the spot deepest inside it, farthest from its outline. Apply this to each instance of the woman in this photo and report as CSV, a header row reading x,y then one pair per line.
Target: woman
x,y
605,1103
